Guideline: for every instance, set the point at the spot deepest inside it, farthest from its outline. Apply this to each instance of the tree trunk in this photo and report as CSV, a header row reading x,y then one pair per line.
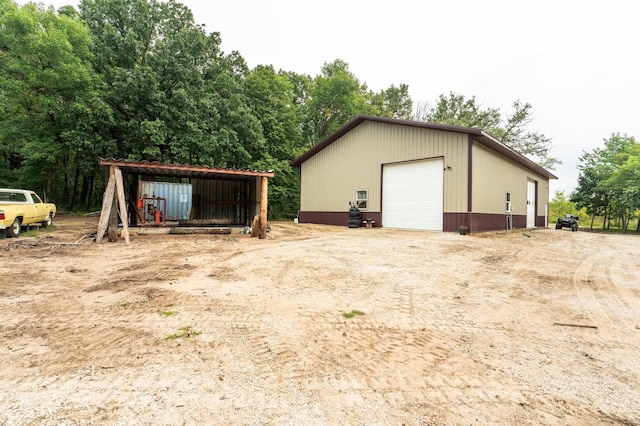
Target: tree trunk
x,y
74,191
49,182
90,193
65,192
82,201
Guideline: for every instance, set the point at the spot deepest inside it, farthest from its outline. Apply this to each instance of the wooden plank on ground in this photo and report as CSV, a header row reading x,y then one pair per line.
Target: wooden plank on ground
x,y
186,231
575,325
204,222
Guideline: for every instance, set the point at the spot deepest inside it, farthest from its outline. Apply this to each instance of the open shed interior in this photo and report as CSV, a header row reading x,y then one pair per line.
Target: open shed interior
x,y
159,195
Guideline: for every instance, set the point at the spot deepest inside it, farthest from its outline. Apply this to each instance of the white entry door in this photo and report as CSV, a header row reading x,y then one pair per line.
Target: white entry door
x,y
531,204
413,195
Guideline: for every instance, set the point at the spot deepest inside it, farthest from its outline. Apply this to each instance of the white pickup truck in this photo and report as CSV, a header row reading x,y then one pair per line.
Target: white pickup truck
x,y
20,208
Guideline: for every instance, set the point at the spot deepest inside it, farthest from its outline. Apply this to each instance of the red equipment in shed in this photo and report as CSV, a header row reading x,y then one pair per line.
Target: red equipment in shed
x,y
152,211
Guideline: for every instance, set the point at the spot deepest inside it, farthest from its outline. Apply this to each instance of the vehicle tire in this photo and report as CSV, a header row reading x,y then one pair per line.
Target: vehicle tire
x,y
558,226
574,227
48,221
14,230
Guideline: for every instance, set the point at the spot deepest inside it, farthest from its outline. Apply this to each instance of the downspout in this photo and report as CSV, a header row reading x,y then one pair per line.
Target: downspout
x,y
467,219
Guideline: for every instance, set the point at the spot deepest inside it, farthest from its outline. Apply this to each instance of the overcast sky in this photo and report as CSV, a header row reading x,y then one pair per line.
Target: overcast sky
x,y
576,62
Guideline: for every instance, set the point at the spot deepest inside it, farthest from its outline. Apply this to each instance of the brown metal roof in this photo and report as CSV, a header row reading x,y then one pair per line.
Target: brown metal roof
x,y
182,170
477,134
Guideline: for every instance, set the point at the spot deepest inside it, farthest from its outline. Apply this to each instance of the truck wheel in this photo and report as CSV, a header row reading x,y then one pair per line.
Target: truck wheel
x,y
574,227
558,226
48,221
14,230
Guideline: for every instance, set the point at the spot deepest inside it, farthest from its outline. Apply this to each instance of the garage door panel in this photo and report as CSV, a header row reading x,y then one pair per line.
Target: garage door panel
x,y
412,195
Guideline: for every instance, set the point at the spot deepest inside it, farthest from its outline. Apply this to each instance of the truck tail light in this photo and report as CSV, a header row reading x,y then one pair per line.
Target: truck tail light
x,y
1,214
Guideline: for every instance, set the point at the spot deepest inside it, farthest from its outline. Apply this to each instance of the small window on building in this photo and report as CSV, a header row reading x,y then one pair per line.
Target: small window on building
x,y
507,198
362,198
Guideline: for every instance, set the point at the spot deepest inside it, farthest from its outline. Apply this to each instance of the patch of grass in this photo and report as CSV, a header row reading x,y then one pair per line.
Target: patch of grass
x,y
167,313
352,314
125,304
184,333
31,231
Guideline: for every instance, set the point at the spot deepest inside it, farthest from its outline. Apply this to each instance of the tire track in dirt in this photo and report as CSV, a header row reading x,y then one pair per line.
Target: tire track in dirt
x,y
602,298
404,302
610,308
366,356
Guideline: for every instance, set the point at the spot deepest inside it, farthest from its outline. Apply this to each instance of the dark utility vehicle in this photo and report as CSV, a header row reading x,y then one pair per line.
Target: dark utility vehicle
x,y
568,221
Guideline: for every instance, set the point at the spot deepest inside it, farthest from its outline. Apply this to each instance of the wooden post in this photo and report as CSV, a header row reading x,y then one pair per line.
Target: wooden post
x,y
123,205
107,203
263,208
255,226
133,198
112,228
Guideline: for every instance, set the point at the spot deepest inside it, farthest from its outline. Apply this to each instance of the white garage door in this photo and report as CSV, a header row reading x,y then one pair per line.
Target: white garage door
x,y
412,195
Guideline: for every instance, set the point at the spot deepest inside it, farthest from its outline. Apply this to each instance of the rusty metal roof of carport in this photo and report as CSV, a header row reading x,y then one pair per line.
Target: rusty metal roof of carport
x,y
182,170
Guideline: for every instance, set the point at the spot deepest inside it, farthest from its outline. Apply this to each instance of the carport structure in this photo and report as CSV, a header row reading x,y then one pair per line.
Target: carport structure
x,y
231,196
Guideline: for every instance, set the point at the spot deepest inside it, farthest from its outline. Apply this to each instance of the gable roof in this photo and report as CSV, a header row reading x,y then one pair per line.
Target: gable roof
x,y
477,134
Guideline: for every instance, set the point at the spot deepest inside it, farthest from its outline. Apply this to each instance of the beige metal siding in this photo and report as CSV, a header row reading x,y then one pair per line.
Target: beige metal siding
x,y
331,177
494,175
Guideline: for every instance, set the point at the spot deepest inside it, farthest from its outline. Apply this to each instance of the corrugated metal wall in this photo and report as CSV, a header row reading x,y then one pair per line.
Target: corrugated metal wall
x,y
494,175
222,199
331,177
178,196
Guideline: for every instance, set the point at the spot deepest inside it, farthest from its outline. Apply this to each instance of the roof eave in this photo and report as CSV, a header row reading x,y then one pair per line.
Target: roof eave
x,y
497,146
176,169
476,133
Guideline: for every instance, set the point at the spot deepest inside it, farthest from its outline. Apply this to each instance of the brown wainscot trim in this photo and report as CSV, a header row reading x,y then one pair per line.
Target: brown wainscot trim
x,y
481,222
336,218
475,222
453,221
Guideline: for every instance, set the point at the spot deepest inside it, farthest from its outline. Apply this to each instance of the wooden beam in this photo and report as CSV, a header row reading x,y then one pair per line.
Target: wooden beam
x,y
170,169
107,203
123,205
112,228
255,226
262,234
576,325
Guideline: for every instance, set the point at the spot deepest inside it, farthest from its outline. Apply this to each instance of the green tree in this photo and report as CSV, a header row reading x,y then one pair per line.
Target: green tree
x,y
513,131
456,110
274,100
335,97
609,181
50,97
393,102
624,182
561,205
176,96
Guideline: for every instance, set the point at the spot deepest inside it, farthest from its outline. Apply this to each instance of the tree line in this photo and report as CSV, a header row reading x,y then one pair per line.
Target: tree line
x,y
140,80
609,182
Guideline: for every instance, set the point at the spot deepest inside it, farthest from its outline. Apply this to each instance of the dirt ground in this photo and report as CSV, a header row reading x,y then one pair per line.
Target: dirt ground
x,y
535,327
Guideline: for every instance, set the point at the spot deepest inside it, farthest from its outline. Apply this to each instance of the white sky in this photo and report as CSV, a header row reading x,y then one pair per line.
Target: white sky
x,y
576,62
